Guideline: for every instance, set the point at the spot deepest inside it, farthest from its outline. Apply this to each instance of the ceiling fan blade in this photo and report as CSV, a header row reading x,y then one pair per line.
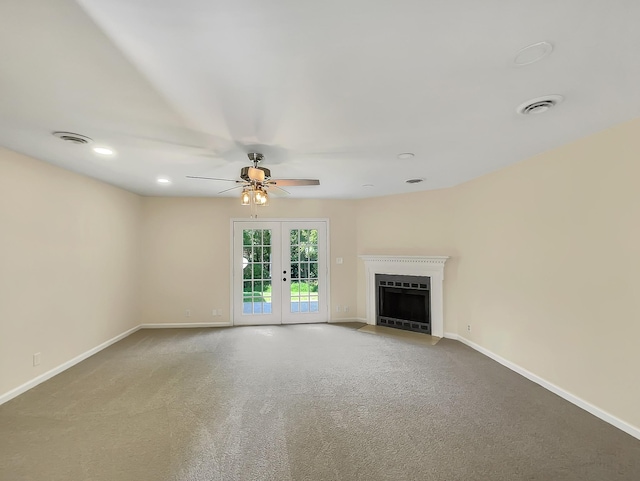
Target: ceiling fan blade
x,y
212,178
293,182
279,190
232,188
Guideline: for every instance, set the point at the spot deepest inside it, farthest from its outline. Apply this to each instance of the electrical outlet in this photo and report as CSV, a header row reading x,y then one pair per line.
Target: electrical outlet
x,y
36,359
346,308
214,312
338,308
469,327
339,260
187,313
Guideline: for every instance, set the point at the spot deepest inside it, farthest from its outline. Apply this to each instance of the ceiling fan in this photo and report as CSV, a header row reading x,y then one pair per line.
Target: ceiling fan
x,y
256,180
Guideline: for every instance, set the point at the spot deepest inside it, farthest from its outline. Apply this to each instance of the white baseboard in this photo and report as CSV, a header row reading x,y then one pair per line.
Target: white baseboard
x,y
451,335
581,403
63,367
178,325
350,319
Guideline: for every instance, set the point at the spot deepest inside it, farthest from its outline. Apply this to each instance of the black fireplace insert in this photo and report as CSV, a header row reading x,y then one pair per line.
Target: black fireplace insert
x,y
403,302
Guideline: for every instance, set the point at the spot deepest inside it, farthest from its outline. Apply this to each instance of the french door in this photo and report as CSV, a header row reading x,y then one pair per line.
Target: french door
x,y
279,272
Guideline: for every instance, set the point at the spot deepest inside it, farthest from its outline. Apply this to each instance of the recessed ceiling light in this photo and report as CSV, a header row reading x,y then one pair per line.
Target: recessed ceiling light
x,y
103,151
367,185
532,53
406,155
414,181
163,180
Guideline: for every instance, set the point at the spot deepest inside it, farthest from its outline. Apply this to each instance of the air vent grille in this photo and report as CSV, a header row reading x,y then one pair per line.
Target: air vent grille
x,y
73,138
539,105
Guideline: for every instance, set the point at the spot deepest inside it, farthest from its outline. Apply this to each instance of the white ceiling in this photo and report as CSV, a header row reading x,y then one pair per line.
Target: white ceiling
x,y
332,89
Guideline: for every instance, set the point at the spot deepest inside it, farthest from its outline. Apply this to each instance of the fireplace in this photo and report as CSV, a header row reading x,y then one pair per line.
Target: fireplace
x,y
403,302
422,266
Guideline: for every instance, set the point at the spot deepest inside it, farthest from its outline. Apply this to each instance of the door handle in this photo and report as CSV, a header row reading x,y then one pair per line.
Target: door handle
x,y
284,278
284,272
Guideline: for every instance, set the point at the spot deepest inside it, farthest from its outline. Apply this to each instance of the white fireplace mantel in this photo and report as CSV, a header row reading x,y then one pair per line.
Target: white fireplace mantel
x,y
428,266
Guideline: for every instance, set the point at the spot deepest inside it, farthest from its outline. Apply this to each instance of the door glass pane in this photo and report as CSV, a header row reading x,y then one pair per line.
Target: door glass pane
x,y
266,289
304,270
295,271
256,264
257,271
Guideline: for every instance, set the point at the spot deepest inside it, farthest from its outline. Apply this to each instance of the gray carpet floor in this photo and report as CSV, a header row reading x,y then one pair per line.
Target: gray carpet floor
x,y
308,402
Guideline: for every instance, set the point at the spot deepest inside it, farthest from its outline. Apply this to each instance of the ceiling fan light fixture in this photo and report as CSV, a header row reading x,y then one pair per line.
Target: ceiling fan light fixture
x,y
260,196
245,197
255,181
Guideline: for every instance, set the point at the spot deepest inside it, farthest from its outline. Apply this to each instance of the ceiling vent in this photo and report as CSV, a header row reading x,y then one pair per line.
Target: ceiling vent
x,y
414,181
73,138
539,105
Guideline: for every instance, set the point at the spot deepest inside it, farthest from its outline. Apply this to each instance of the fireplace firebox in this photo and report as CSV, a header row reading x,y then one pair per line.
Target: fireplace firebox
x,y
403,302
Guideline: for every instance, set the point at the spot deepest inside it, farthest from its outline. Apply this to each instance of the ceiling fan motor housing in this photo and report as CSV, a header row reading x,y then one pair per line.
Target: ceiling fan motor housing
x,y
245,173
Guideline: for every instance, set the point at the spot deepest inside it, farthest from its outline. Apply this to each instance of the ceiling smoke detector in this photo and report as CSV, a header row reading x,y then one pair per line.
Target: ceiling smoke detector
x,y
73,138
539,105
414,181
532,53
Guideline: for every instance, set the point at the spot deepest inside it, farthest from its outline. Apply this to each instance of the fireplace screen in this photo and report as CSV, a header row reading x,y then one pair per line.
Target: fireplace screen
x,y
403,302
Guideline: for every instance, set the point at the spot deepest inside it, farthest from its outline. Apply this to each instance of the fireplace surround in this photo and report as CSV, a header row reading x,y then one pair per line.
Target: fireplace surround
x,y
426,266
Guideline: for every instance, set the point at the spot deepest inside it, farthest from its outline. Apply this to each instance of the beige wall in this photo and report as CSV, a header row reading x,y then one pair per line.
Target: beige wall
x,y
419,223
187,248
545,262
549,263
68,265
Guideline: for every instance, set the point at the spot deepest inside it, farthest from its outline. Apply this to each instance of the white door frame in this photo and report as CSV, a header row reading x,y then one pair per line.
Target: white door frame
x,y
233,220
